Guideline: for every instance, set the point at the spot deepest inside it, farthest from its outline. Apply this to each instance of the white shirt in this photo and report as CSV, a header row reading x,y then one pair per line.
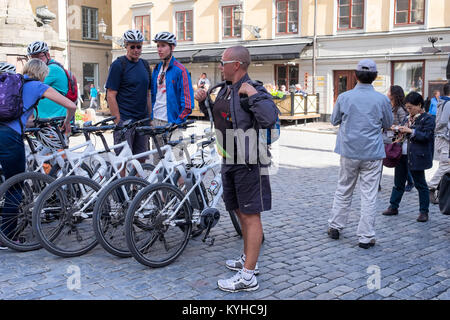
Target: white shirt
x,y
160,107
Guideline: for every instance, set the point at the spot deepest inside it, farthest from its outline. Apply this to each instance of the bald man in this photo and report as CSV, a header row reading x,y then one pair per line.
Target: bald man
x,y
241,106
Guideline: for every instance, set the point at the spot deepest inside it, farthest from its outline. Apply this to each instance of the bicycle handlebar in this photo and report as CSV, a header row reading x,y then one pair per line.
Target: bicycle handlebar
x,y
49,121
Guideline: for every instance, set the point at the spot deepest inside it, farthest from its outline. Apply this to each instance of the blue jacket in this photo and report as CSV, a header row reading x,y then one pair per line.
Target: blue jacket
x,y
421,143
361,113
180,95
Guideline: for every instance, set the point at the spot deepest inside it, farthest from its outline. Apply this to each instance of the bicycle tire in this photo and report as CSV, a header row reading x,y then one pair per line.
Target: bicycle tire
x,y
153,230
56,168
235,222
104,222
62,199
23,239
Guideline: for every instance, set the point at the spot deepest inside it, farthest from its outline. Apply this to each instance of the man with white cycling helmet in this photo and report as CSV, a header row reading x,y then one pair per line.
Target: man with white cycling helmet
x,y
128,91
7,68
56,78
170,79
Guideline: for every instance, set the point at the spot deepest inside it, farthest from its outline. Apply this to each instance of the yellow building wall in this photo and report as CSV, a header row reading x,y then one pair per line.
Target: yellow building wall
x,y
260,13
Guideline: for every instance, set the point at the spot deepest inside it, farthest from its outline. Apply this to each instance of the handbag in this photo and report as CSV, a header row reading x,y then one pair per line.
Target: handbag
x,y
393,154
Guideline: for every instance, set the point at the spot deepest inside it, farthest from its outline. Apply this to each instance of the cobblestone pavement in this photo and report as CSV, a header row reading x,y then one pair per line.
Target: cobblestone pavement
x,y
298,260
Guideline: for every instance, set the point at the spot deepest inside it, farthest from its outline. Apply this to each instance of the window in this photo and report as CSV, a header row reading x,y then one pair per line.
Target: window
x,y
184,25
286,75
287,16
350,14
409,12
142,24
90,23
409,75
231,25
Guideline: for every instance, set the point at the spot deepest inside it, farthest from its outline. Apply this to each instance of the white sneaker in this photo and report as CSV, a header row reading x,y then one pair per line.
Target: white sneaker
x,y
238,283
238,264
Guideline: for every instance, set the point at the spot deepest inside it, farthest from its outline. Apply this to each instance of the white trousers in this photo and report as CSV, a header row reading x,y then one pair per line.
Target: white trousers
x,y
441,155
369,174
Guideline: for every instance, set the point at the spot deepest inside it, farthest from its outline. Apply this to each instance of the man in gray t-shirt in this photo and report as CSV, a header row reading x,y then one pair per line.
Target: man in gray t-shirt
x,y
361,114
441,142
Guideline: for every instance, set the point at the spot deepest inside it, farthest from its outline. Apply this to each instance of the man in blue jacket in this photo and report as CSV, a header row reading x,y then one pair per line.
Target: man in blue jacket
x,y
361,114
172,92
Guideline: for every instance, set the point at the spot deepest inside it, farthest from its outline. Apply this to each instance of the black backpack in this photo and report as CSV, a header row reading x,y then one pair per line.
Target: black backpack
x,y
444,194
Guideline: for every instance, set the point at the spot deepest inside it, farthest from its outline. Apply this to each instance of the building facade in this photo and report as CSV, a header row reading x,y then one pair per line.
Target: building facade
x,y
316,43
88,52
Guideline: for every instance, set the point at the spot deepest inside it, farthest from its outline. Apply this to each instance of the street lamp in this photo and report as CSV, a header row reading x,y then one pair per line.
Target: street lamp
x,y
102,26
239,15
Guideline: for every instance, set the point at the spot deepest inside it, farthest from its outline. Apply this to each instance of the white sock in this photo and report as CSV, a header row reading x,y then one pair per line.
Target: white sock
x,y
247,274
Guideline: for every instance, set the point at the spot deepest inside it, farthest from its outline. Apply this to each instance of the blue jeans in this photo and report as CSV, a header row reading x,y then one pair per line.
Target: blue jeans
x,y
400,177
12,160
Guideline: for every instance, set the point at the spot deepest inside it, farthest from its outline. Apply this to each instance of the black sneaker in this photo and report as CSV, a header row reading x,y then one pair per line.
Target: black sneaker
x,y
2,246
367,245
333,233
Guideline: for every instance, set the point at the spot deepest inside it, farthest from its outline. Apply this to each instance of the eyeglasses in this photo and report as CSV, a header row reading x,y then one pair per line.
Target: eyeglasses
x,y
134,47
222,63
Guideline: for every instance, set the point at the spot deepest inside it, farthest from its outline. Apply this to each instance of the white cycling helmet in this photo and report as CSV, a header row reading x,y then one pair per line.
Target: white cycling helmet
x,y
37,47
49,138
7,67
166,36
133,36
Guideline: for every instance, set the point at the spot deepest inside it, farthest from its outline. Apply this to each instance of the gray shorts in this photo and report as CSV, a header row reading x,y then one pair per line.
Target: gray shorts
x,y
246,189
138,143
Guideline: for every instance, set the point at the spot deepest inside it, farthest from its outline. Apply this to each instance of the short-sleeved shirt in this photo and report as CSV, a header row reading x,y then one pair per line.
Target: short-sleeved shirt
x,y
32,91
57,79
93,93
132,85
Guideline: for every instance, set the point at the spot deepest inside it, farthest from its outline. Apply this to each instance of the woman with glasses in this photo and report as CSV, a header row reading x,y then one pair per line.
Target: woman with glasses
x,y
416,134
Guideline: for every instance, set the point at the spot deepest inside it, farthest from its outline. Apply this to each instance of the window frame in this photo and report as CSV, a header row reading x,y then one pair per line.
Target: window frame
x,y
233,36
409,23
184,12
288,67
89,23
350,16
142,30
393,62
287,17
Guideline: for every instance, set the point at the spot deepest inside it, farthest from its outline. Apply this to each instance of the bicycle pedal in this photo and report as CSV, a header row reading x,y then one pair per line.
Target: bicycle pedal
x,y
209,241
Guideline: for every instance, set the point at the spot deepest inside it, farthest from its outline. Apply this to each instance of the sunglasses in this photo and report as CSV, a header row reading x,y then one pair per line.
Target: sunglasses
x,y
222,63
161,78
136,47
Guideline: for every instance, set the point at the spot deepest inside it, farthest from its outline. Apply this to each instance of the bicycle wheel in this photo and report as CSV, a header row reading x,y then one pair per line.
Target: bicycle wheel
x,y
109,214
17,198
235,222
151,239
56,171
70,202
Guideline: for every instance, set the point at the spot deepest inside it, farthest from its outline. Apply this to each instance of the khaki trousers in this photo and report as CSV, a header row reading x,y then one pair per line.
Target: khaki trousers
x,y
369,174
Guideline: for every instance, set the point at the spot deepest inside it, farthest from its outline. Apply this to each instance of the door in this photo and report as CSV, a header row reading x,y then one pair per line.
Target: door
x,y
344,80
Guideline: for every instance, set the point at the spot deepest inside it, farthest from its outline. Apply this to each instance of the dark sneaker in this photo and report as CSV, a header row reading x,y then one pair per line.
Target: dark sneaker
x,y
237,283
390,212
367,245
2,246
423,217
238,264
333,233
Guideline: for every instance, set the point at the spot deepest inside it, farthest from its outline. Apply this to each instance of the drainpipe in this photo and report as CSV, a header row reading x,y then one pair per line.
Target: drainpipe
x,y
314,48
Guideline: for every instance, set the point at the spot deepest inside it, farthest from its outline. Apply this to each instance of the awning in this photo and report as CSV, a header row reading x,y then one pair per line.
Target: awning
x,y
261,53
